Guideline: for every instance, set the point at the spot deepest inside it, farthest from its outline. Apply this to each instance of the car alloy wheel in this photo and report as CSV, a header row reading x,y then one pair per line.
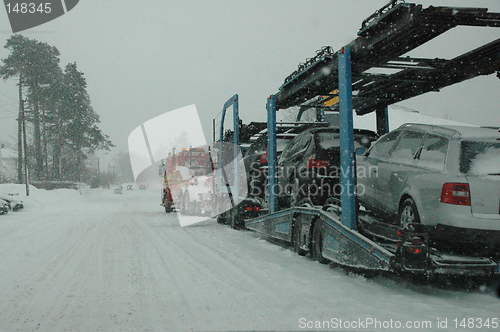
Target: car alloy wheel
x,y
408,213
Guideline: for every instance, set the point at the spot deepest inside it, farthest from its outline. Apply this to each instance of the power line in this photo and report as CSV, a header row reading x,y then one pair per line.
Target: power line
x,y
3,94
14,111
10,104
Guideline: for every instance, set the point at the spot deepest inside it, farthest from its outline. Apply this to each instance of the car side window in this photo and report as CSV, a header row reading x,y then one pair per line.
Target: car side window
x,y
407,146
302,143
290,149
381,148
433,153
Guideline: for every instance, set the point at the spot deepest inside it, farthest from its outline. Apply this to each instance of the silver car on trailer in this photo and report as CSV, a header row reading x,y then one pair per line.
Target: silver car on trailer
x,y
445,177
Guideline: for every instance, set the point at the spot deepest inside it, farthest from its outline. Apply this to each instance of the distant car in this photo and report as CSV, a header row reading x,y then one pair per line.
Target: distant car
x,y
142,186
12,203
445,177
309,166
130,187
4,207
119,190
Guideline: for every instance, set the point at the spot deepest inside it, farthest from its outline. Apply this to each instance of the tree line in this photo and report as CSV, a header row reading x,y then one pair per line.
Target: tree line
x,y
56,105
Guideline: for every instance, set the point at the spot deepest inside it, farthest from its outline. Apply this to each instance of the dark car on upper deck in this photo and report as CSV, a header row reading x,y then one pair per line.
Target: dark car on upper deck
x,y
309,167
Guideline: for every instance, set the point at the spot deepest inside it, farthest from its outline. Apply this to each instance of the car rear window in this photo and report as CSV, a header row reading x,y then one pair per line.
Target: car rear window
x,y
480,158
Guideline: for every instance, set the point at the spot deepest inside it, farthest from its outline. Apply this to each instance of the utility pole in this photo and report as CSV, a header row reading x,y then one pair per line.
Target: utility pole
x,y
45,153
20,134
23,118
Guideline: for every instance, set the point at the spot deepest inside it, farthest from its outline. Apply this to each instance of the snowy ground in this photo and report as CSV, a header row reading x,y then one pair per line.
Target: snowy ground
x,y
105,262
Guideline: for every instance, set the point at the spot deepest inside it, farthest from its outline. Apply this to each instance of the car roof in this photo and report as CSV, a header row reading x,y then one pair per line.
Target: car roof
x,y
466,132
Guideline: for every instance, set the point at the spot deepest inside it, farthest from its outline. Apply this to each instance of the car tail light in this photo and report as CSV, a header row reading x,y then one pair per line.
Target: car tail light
x,y
414,250
456,193
253,208
263,158
312,162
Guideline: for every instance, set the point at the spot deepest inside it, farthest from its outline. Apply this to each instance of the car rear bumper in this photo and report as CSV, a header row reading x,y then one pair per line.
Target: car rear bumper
x,y
462,217
487,239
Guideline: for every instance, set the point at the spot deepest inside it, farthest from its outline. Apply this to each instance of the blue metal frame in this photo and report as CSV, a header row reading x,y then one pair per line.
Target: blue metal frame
x,y
271,152
346,140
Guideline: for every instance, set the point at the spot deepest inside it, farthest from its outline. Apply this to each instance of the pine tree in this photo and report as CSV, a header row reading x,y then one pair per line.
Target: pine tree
x,y
36,64
58,105
80,128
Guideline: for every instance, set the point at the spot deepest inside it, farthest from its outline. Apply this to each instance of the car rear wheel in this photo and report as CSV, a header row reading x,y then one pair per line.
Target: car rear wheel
x,y
408,213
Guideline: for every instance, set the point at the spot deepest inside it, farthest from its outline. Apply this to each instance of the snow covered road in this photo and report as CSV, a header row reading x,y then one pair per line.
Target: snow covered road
x,y
105,262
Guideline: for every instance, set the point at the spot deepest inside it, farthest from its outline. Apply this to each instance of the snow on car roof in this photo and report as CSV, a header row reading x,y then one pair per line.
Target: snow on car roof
x,y
462,131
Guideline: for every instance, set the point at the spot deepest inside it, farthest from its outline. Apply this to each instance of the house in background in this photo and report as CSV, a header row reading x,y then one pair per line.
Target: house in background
x,y
8,165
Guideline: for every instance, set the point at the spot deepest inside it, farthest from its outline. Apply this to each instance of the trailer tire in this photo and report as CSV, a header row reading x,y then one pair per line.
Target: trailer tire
x,y
235,219
317,245
296,240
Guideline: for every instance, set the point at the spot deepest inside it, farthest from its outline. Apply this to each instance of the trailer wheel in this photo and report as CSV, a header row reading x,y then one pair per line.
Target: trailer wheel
x,y
408,213
296,240
317,246
235,219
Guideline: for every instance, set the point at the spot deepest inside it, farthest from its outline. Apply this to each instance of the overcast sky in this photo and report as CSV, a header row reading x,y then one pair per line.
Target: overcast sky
x,y
145,58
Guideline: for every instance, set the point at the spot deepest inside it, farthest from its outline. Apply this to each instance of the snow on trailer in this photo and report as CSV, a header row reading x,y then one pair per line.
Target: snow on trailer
x,y
342,81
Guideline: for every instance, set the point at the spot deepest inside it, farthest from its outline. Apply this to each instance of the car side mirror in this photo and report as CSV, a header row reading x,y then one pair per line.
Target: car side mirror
x,y
360,151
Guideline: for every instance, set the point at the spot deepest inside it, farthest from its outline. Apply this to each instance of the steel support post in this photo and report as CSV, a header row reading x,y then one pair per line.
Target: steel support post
x,y
382,120
233,101
271,152
236,146
346,140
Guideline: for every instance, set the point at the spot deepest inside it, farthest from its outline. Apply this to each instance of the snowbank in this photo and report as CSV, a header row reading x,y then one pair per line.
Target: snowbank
x,y
41,198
